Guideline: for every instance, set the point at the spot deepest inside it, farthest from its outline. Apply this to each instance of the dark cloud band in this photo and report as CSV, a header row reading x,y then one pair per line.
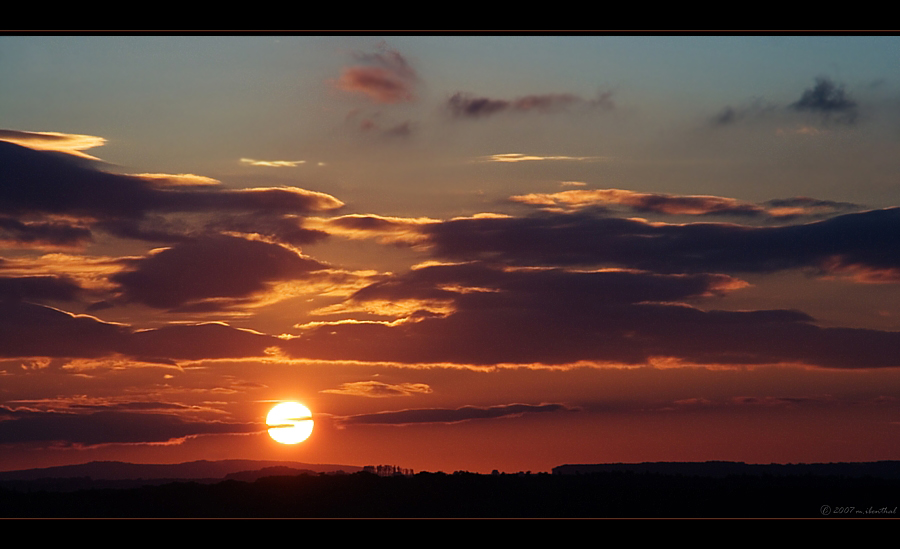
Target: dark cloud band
x,y
41,183
590,239
441,415
108,427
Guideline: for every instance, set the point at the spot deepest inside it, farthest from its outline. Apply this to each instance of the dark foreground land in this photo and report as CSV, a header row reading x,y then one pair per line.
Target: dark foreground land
x,y
438,495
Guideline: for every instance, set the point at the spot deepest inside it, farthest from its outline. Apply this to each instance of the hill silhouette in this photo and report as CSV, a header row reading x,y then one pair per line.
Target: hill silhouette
x,y
119,475
120,470
799,493
877,469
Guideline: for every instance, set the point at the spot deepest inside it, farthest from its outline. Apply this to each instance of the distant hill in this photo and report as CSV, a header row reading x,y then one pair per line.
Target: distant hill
x,y
194,470
278,471
720,469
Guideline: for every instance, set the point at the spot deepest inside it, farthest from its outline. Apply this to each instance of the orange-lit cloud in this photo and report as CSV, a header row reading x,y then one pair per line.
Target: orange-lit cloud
x,y
787,208
276,272
68,143
531,316
567,286
383,77
554,316
838,267
519,157
272,163
646,202
386,229
182,179
378,389
88,272
670,204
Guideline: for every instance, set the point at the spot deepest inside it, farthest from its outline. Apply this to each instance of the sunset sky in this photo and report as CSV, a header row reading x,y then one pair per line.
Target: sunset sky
x,y
460,252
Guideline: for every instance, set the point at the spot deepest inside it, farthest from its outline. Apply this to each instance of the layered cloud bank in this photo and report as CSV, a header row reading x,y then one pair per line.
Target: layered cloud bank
x,y
573,283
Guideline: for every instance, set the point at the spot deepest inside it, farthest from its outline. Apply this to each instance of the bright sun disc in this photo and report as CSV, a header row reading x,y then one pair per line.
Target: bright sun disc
x,y
289,422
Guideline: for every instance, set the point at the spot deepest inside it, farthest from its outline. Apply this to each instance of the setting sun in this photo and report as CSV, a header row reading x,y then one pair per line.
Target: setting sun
x,y
289,422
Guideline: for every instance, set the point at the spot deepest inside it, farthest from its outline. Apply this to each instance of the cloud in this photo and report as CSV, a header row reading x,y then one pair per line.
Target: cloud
x,y
215,271
37,184
465,105
585,238
477,284
272,163
38,288
806,206
379,125
27,330
670,204
53,141
89,273
404,129
108,427
129,406
443,415
288,229
838,267
383,77
494,315
362,226
182,179
378,389
519,157
640,202
480,313
31,330
755,109
827,98
563,325
40,183
555,287
43,234
210,340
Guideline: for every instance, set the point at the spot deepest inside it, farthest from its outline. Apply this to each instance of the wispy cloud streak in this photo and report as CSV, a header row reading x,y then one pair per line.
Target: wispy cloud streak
x,y
439,415
465,105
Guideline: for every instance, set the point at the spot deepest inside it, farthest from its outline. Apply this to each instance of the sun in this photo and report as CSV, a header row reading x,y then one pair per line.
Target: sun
x,y
289,422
